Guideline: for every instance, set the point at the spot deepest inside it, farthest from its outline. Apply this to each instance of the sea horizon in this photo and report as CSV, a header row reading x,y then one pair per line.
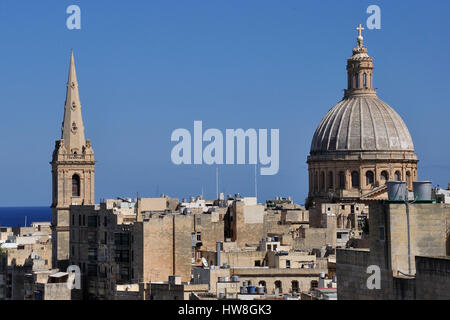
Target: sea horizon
x,y
14,216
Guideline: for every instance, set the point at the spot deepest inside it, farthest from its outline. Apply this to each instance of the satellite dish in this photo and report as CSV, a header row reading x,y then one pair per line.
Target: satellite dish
x,y
205,263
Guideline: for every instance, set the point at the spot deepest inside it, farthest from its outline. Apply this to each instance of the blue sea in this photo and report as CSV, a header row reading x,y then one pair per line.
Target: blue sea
x,y
15,216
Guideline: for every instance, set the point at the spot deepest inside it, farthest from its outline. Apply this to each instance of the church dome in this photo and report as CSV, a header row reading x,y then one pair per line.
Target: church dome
x,y
361,123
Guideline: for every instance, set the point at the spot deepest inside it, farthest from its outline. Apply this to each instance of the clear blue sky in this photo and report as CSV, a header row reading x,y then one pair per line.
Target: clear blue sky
x,y
146,68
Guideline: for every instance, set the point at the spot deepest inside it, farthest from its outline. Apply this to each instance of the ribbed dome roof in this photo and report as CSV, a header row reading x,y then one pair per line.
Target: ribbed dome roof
x,y
361,123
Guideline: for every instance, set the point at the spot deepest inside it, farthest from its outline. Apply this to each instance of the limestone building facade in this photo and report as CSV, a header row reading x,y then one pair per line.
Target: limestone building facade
x,y
408,243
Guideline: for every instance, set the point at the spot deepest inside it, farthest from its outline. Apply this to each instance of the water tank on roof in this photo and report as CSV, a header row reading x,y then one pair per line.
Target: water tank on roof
x,y
422,190
260,290
396,190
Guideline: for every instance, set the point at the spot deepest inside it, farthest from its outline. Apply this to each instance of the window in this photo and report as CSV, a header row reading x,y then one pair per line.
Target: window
x,y
356,80
398,176
341,180
384,176
288,264
316,182
295,286
322,181
365,80
257,263
121,239
355,179
369,178
330,180
314,284
381,233
199,236
92,254
75,185
92,221
278,286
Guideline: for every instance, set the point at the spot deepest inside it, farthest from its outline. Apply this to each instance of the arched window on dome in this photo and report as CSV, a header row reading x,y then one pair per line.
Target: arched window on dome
x,y
369,178
322,181
365,80
75,185
384,176
355,179
397,176
330,180
356,80
316,182
341,180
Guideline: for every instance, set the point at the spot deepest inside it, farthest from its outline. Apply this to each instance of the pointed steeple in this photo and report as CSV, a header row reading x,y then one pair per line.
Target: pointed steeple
x,y
73,127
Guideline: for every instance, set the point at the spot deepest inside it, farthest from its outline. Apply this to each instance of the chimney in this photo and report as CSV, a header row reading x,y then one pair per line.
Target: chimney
x,y
218,248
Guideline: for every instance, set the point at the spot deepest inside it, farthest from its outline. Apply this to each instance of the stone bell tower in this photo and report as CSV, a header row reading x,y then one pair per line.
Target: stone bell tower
x,y
73,168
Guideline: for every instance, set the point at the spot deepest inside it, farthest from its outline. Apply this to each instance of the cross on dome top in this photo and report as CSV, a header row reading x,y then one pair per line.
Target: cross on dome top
x,y
360,38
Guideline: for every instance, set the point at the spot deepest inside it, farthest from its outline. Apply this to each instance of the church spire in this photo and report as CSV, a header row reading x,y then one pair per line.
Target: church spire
x,y
72,127
359,70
